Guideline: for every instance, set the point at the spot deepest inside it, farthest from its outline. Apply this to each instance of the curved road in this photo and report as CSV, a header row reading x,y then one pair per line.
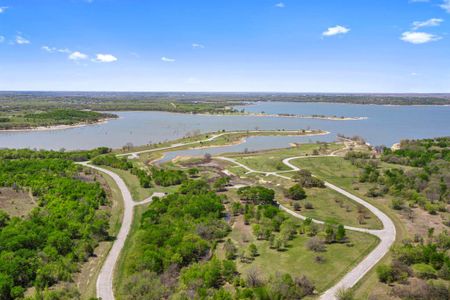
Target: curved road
x,y
386,235
105,278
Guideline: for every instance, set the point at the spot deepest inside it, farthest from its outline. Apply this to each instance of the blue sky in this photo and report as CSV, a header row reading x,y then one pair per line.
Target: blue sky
x,y
225,45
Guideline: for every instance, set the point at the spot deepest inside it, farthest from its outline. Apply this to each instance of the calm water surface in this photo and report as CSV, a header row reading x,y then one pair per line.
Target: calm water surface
x,y
385,125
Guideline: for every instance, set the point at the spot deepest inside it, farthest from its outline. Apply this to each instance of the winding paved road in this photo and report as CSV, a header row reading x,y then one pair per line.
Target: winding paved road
x,y
386,235
105,278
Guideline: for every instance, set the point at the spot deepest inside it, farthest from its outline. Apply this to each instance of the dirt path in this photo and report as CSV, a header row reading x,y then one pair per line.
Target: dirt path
x,y
105,278
386,235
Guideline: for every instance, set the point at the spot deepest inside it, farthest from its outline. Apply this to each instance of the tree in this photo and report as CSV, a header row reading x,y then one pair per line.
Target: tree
x,y
220,184
385,273
4,218
143,285
330,235
296,192
193,172
345,294
230,249
340,233
257,195
207,158
253,250
315,244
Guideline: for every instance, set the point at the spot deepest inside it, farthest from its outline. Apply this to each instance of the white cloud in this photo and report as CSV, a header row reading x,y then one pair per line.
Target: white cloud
x,y
197,46
3,9
446,5
280,5
77,55
20,40
105,58
419,37
2,38
54,49
338,29
167,59
414,74
428,23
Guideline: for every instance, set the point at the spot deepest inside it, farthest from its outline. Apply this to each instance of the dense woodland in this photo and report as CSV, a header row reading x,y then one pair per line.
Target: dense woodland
x,y
48,245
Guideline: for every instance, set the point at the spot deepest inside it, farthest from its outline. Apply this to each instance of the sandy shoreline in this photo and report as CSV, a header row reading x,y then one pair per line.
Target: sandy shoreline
x,y
57,127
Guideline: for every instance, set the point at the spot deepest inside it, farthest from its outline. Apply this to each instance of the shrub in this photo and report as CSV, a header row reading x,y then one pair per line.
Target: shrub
x,y
316,244
296,192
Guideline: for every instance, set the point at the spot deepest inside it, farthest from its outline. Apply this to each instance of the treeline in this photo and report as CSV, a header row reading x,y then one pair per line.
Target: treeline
x,y
25,119
160,176
46,246
77,156
142,100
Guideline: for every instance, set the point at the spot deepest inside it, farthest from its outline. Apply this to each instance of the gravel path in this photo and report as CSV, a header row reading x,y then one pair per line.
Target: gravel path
x,y
105,278
386,235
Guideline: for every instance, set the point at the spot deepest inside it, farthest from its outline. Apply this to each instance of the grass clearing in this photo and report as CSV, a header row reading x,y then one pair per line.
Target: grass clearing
x,y
16,203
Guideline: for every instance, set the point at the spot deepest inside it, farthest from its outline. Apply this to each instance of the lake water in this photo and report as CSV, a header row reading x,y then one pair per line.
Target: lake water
x,y
385,125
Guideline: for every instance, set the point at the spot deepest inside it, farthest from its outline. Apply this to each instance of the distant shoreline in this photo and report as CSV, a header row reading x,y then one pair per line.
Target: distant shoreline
x,y
318,117
57,127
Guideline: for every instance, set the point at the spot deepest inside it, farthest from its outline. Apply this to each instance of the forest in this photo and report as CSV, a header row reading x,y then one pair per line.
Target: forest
x,y
47,246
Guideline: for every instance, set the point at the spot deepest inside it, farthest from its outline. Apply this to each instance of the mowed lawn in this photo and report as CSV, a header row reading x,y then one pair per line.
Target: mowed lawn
x,y
297,260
